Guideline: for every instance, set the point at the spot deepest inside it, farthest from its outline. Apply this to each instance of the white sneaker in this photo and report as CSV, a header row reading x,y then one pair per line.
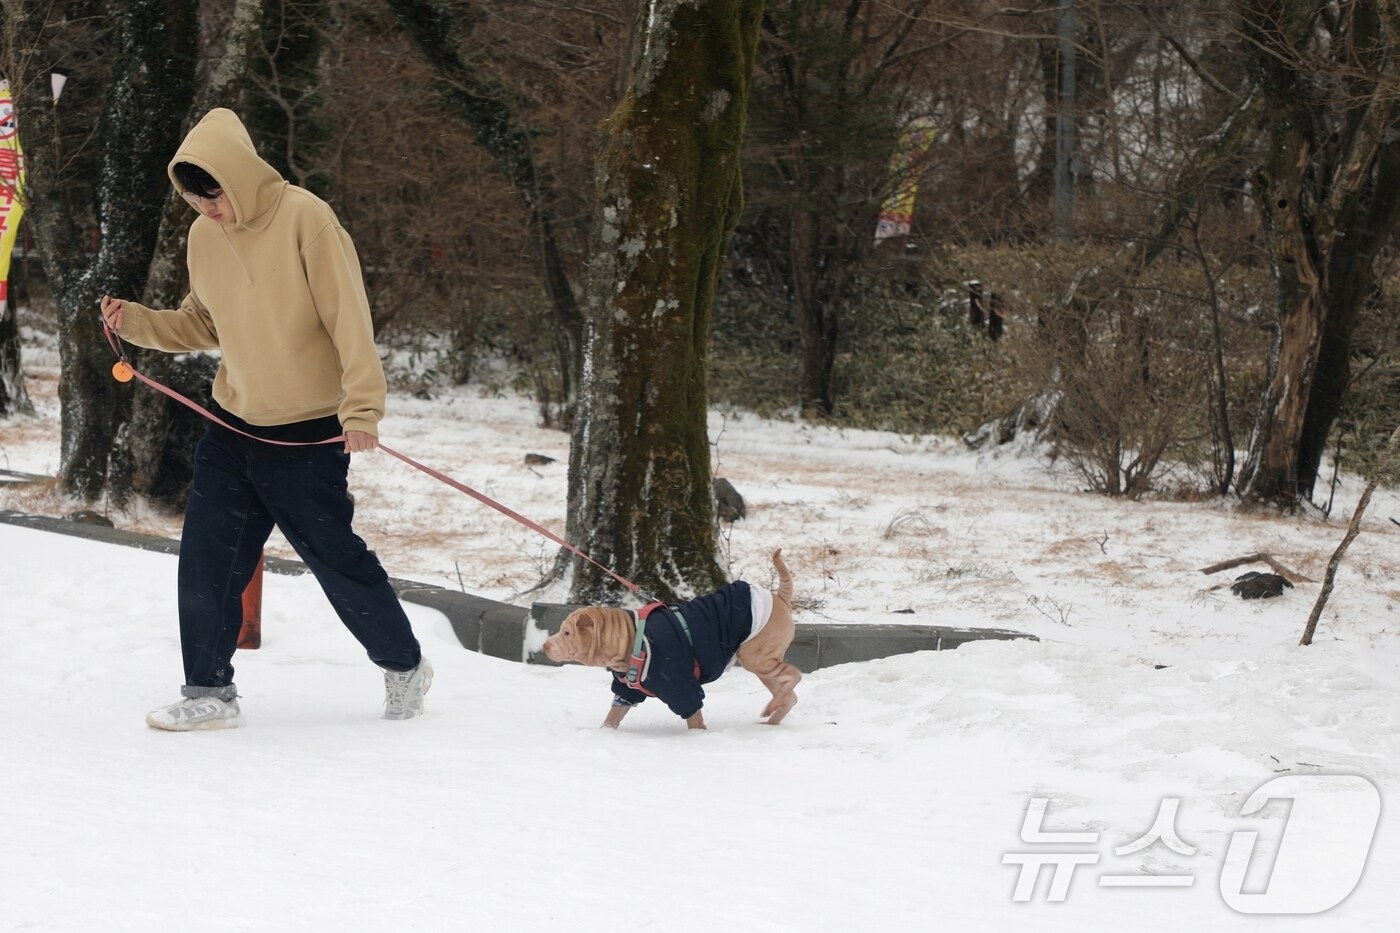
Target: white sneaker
x,y
193,713
403,691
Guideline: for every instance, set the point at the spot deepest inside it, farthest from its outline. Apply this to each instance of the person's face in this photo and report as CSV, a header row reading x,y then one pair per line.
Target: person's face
x,y
218,208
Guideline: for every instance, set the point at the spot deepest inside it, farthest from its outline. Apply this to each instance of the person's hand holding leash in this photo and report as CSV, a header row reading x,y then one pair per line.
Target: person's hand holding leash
x,y
113,311
359,441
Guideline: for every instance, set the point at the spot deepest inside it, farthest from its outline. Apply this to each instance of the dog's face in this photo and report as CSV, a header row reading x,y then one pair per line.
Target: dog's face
x,y
598,636
575,641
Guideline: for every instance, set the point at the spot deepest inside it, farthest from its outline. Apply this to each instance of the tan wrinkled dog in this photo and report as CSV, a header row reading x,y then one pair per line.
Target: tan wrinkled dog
x,y
600,636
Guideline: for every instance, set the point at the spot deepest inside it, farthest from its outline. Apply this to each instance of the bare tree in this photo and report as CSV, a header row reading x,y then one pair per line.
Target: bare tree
x,y
668,197
1329,193
479,98
1385,470
286,72
836,87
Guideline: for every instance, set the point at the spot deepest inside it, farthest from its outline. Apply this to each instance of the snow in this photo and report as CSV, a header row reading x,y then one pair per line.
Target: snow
x,y
886,801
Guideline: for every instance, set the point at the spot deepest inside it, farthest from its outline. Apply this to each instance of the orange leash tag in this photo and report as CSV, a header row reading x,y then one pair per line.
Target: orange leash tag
x,y
122,371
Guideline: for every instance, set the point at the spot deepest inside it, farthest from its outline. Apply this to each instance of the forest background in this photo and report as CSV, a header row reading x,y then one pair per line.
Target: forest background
x,y
1147,233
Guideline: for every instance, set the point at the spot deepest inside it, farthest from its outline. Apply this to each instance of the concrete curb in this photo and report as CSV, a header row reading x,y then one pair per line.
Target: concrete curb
x,y
15,476
127,538
817,645
515,633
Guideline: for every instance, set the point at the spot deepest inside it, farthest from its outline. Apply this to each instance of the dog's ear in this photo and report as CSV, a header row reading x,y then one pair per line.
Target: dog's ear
x,y
586,636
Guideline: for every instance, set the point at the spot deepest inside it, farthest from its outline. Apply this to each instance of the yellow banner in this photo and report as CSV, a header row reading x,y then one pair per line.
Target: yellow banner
x,y
897,213
11,183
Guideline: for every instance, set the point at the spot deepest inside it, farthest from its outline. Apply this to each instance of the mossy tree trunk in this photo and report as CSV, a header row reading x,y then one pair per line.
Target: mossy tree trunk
x,y
668,197
151,56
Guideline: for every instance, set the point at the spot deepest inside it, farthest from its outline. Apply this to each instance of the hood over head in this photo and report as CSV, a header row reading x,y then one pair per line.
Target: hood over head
x,y
221,146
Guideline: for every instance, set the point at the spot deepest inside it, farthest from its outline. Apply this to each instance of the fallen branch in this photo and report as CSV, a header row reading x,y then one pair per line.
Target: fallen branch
x,y
1386,465
1260,558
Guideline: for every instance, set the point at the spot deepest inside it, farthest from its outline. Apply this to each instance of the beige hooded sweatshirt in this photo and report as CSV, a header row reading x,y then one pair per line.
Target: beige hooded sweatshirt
x,y
278,291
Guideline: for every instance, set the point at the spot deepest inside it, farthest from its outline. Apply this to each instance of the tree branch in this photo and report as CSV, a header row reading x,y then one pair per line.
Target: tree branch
x,y
1259,558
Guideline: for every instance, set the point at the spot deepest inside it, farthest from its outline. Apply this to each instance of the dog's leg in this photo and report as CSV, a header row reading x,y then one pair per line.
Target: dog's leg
x,y
778,676
783,687
614,718
764,653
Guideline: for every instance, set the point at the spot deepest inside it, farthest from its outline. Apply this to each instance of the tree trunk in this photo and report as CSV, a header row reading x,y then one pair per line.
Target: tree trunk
x,y
14,399
1352,279
1270,473
152,74
837,105
149,457
827,228
1040,184
815,312
1327,191
669,195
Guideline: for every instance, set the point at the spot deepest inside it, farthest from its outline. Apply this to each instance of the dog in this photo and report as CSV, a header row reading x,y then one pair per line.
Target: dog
x,y
682,647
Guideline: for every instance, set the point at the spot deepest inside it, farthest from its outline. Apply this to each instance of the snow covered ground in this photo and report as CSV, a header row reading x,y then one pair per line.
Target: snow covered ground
x,y
890,799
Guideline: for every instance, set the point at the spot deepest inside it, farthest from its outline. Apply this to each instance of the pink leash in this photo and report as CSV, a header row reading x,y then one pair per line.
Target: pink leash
x,y
123,371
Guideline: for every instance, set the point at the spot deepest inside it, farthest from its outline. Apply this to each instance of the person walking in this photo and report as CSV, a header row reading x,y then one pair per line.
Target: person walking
x,y
275,286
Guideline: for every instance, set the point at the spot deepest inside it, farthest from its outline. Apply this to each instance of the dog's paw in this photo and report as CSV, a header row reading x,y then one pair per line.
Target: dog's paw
x,y
778,707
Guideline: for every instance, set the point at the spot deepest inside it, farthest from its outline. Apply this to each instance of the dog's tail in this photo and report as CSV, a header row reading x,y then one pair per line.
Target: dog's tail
x,y
784,590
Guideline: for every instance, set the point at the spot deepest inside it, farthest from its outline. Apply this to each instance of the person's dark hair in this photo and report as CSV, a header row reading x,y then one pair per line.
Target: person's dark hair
x,y
196,180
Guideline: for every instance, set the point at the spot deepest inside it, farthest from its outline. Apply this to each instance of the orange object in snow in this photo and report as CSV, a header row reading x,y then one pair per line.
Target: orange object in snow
x,y
250,635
